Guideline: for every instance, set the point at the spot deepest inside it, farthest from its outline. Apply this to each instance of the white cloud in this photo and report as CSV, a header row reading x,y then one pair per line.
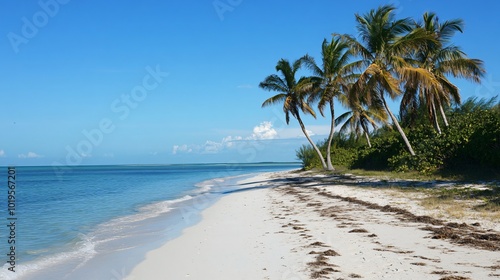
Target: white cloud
x,y
2,153
209,147
29,155
264,131
229,140
182,148
212,147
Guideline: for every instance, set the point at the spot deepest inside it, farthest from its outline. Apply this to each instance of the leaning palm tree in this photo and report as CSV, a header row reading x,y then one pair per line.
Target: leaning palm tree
x,y
361,117
386,45
330,80
292,95
442,59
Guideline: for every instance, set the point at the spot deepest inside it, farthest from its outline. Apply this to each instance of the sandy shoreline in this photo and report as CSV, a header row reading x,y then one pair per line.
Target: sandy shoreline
x,y
315,229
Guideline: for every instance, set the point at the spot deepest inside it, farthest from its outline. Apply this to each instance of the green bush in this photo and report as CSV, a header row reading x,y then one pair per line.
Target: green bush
x,y
344,156
383,147
472,141
308,156
477,135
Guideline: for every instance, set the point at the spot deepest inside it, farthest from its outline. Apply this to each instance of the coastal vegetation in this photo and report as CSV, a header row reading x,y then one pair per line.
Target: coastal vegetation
x,y
468,148
409,61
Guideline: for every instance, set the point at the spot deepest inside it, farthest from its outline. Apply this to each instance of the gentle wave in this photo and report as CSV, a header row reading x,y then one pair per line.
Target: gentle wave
x,y
84,250
220,184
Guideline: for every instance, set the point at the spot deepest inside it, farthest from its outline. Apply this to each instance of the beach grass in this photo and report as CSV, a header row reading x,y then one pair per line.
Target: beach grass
x,y
458,201
466,173
462,201
411,175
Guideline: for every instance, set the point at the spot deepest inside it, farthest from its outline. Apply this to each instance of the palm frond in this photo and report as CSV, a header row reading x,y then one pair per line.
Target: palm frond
x,y
310,63
449,28
450,89
467,68
419,76
307,109
390,84
417,39
275,99
449,53
342,118
287,71
273,83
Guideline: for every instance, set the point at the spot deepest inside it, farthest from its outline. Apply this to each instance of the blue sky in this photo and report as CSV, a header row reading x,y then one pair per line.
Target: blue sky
x,y
102,82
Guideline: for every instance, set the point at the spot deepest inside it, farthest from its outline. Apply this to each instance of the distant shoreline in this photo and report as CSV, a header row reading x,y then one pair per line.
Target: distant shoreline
x,y
159,164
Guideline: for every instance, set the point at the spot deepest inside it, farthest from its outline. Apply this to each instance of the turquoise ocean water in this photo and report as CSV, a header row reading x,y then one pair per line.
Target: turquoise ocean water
x,y
97,222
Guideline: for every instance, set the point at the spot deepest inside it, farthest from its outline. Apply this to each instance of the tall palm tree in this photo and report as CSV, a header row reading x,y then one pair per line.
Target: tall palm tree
x,y
386,45
361,117
292,94
330,79
442,59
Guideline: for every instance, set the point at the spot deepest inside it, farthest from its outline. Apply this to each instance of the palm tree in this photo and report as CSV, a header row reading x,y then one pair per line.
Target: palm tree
x,y
292,95
386,45
330,80
361,117
473,104
441,59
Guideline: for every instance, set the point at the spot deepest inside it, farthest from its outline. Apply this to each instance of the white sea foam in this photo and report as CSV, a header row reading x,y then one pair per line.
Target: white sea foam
x,y
164,206
84,251
84,248
145,212
218,184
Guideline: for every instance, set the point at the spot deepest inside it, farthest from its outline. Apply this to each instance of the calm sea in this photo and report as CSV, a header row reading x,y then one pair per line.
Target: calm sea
x,y
97,222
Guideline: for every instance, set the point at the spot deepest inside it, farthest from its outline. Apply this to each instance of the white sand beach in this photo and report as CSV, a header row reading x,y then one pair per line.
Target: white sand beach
x,y
310,228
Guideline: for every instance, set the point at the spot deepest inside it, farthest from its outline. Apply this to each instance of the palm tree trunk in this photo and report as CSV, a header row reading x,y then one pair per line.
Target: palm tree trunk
x,y
434,113
367,136
368,139
330,139
443,114
396,123
323,164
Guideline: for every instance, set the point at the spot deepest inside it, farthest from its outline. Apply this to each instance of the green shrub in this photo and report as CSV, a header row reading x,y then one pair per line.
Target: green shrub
x,y
471,142
308,156
480,135
383,147
344,156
